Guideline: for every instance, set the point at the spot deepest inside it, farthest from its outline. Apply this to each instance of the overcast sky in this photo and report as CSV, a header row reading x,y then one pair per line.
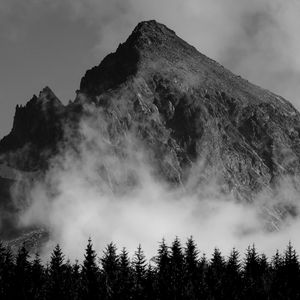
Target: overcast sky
x,y
53,42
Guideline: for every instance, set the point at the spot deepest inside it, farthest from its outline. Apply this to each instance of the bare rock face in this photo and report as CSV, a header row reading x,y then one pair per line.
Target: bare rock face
x,y
36,131
197,110
183,106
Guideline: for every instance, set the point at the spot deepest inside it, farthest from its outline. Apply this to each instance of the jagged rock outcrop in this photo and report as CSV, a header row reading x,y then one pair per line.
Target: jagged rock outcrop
x,y
37,128
185,108
183,105
200,110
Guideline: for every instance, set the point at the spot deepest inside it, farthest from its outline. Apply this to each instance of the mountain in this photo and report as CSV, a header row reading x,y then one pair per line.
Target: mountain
x,y
183,106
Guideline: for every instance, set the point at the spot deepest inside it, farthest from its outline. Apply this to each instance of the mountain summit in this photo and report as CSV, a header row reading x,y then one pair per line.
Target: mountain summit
x,y
192,115
244,132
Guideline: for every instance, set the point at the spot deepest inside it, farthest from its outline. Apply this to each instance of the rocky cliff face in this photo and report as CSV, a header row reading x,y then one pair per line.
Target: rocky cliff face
x,y
37,128
185,108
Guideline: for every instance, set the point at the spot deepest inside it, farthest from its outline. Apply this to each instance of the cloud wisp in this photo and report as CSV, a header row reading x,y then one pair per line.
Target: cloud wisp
x,y
107,190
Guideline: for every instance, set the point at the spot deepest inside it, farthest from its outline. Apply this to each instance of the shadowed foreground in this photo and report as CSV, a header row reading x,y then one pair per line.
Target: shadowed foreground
x,y
176,272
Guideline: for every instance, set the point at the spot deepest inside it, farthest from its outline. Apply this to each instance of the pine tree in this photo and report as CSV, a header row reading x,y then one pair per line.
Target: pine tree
x,y
252,275
291,273
277,261
203,268
150,291
6,273
2,268
69,284
37,279
21,283
215,275
265,276
233,278
125,278
192,278
90,274
163,271
77,283
139,271
178,274
277,284
110,269
55,287
176,270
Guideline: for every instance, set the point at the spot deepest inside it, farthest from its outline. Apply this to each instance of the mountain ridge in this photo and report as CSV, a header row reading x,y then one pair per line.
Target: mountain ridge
x,y
183,106
160,71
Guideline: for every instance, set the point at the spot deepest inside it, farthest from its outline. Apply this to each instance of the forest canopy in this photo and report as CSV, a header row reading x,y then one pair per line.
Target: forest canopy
x,y
176,272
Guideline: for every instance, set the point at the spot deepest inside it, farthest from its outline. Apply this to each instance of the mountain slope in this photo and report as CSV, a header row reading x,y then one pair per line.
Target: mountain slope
x,y
192,115
242,131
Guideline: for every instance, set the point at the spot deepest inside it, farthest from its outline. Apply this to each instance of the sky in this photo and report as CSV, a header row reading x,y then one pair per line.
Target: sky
x,y
53,42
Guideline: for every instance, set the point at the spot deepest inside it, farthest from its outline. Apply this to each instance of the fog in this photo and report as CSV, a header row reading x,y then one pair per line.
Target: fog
x,y
90,190
107,190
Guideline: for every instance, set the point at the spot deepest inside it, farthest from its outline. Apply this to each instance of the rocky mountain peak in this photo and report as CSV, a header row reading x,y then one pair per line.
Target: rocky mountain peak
x,y
36,127
192,115
150,32
47,95
150,45
152,26
186,107
208,112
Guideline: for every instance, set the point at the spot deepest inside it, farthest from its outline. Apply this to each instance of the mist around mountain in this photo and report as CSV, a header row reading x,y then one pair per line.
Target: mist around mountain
x,y
161,141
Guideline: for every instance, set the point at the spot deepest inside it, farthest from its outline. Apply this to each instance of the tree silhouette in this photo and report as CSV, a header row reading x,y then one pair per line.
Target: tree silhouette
x,y
203,273
90,274
233,277
2,268
110,270
176,274
70,287
265,275
125,278
176,270
253,285
215,275
55,289
163,271
150,291
21,283
291,273
37,279
6,273
139,268
192,277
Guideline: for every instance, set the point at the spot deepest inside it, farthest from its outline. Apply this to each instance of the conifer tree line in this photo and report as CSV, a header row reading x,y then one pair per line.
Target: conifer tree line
x,y
176,272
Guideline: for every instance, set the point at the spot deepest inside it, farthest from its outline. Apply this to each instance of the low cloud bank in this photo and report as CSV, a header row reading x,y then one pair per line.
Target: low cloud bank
x,y
107,190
